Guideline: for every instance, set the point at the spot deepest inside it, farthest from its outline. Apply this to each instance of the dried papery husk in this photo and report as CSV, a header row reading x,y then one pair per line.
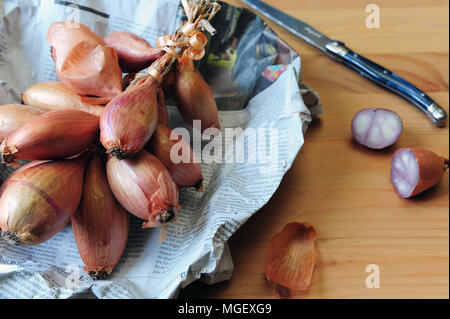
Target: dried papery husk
x,y
144,187
55,96
100,225
83,63
40,199
54,135
163,115
129,120
193,96
291,259
135,53
414,170
14,116
186,173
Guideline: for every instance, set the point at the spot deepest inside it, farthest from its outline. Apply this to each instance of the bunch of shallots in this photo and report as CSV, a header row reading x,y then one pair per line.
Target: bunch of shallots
x,y
99,151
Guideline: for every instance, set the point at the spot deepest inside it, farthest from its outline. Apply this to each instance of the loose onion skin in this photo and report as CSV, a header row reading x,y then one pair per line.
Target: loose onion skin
x,y
130,119
193,96
376,128
100,225
145,188
36,204
414,170
55,96
134,52
291,259
188,172
14,116
54,135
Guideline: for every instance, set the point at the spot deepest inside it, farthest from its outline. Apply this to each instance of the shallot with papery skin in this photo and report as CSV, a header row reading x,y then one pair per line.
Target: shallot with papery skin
x,y
291,259
414,170
376,128
14,116
83,62
55,96
134,52
145,188
129,120
184,168
54,135
193,96
39,200
100,225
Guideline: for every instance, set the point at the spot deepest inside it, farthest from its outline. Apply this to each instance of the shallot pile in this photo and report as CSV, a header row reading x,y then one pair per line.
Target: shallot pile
x,y
99,146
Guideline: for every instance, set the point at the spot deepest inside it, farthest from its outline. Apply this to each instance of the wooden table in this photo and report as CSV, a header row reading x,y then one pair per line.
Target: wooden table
x,y
343,189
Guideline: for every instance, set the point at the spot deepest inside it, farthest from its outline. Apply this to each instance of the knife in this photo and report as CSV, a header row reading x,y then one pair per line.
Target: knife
x,y
367,68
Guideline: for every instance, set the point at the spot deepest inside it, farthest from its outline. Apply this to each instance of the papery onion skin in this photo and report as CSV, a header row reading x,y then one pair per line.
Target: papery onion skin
x,y
101,225
130,119
134,52
193,96
291,257
188,172
83,63
414,170
55,96
14,116
54,135
145,188
39,201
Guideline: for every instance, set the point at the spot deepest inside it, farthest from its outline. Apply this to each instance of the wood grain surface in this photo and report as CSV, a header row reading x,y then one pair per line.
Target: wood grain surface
x,y
343,189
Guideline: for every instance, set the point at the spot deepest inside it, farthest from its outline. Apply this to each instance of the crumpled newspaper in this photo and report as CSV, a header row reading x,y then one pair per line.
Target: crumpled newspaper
x,y
256,80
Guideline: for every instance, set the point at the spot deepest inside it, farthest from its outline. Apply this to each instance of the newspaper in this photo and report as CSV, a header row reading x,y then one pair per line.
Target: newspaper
x,y
256,92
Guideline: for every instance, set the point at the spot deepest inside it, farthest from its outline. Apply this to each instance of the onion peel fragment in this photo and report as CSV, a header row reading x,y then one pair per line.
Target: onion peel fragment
x,y
291,259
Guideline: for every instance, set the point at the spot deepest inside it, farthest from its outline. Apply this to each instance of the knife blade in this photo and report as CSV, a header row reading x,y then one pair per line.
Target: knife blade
x,y
338,51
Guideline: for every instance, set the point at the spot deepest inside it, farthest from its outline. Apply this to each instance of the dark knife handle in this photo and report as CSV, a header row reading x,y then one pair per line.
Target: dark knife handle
x,y
387,79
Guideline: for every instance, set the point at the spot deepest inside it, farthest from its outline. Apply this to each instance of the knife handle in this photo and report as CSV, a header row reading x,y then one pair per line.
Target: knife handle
x,y
387,79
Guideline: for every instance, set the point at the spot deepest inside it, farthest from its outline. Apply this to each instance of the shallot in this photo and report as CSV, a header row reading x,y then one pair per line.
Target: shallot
x,y
145,188
83,62
185,168
134,52
100,225
376,128
36,202
193,96
54,135
55,96
130,119
414,170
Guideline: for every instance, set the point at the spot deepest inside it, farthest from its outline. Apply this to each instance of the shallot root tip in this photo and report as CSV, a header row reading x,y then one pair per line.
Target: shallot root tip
x,y
167,217
98,275
11,238
199,186
446,164
7,159
118,153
